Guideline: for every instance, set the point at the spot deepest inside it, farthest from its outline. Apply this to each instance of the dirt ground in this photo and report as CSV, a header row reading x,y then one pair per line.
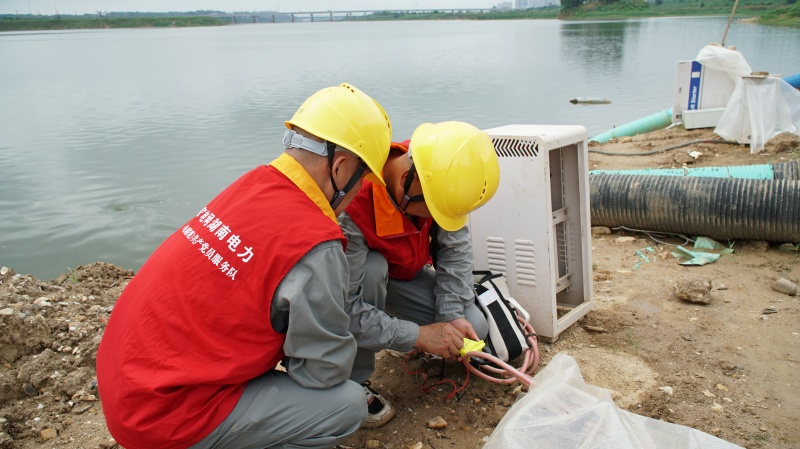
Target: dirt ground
x,y
728,368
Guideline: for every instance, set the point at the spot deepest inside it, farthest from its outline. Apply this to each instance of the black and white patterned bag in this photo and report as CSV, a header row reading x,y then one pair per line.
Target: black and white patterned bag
x,y
507,339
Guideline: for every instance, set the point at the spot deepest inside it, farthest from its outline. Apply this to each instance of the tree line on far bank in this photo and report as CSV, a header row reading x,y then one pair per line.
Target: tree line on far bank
x,y
775,12
787,9
62,23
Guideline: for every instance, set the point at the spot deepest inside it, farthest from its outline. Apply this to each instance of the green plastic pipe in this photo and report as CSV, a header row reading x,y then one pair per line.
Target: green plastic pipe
x,y
643,125
789,170
761,171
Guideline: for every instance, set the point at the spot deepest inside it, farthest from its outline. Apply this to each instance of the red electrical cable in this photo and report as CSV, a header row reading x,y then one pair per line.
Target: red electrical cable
x,y
498,371
426,387
504,373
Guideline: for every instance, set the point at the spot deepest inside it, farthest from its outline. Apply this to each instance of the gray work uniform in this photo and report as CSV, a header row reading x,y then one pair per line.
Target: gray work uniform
x,y
433,296
313,404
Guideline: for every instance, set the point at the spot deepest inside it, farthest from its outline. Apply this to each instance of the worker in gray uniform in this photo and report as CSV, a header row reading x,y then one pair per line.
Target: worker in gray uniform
x,y
410,251
189,356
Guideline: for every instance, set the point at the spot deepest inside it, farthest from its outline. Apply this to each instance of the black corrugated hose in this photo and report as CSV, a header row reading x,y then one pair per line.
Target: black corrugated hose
x,y
721,208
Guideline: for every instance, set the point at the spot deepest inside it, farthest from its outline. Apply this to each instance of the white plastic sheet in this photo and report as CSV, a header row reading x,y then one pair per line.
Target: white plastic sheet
x,y
561,411
724,60
759,109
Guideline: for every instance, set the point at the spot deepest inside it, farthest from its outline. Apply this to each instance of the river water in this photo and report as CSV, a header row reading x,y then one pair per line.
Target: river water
x,y
111,139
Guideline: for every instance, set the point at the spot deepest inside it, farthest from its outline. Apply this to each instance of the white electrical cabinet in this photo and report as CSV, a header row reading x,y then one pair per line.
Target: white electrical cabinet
x,y
699,87
536,229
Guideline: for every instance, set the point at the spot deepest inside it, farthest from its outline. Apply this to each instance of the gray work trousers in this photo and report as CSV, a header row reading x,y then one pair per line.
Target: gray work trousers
x,y
412,300
276,412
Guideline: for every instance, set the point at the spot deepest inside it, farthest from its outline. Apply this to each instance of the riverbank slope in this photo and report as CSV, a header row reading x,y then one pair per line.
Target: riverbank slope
x,y
727,368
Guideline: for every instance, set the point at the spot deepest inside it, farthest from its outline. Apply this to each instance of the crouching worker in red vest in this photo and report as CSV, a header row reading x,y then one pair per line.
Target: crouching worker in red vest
x,y
448,170
259,276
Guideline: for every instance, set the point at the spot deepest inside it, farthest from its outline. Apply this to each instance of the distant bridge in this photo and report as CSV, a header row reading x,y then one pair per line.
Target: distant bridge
x,y
330,16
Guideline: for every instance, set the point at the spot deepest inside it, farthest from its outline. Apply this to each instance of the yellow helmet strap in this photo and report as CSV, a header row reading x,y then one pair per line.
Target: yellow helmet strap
x,y
406,187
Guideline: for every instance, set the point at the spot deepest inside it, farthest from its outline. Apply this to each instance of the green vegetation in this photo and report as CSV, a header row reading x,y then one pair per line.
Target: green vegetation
x,y
632,341
617,9
549,12
777,12
769,12
50,23
786,16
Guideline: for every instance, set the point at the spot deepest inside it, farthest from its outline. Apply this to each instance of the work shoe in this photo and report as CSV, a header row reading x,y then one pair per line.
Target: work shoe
x,y
379,410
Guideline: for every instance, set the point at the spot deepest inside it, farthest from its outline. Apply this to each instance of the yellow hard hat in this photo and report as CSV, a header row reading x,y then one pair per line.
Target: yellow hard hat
x,y
350,119
458,170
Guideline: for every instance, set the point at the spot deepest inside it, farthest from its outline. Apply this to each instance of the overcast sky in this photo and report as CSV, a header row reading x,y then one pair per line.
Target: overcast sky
x,y
49,7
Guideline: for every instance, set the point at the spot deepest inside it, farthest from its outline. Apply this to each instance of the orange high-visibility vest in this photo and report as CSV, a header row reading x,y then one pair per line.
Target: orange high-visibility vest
x,y
405,247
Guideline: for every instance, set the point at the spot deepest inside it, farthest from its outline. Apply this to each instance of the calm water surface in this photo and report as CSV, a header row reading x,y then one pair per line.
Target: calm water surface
x,y
111,139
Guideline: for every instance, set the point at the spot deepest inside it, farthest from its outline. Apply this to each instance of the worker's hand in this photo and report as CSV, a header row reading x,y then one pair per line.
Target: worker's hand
x,y
440,339
465,328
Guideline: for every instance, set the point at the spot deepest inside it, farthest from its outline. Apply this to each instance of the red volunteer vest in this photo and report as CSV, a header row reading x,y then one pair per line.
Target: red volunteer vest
x,y
193,326
405,247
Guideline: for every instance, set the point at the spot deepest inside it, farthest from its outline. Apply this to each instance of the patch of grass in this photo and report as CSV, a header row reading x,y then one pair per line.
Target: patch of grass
x,y
735,254
72,274
632,341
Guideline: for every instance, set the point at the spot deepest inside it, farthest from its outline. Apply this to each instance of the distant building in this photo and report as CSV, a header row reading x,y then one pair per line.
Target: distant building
x,y
525,4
